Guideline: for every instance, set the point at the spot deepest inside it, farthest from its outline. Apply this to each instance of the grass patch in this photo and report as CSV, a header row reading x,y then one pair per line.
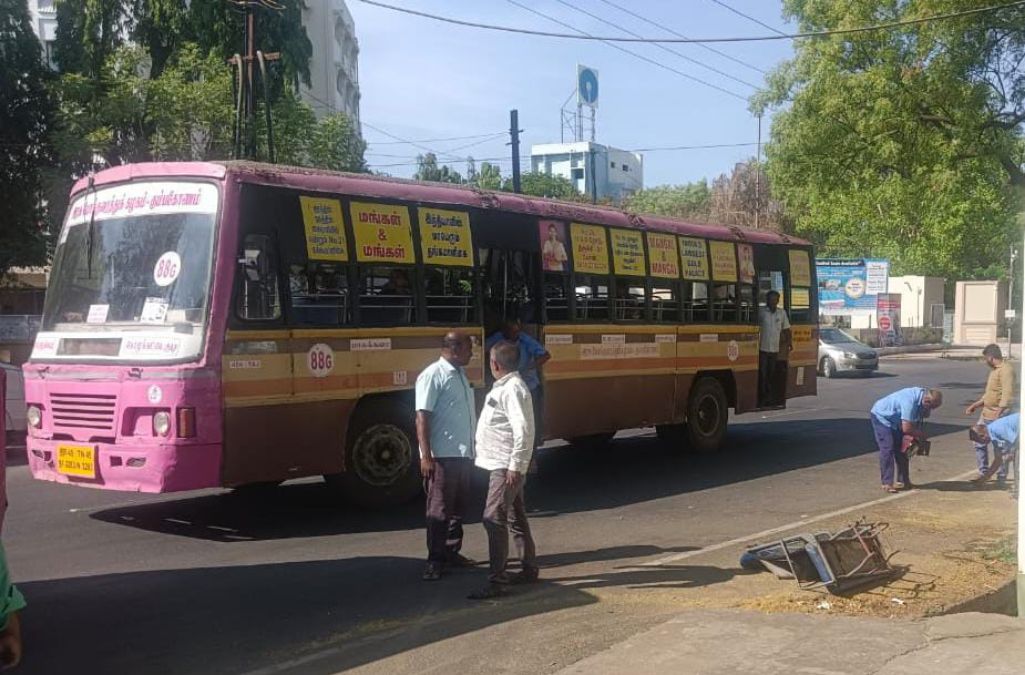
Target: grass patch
x,y
1004,550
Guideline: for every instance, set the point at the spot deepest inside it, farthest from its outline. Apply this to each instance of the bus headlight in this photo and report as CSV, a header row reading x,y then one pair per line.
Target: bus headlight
x,y
34,416
161,423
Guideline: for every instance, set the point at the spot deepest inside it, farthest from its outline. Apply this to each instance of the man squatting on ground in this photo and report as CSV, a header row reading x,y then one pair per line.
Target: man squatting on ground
x,y
994,404
445,413
1003,433
504,445
893,417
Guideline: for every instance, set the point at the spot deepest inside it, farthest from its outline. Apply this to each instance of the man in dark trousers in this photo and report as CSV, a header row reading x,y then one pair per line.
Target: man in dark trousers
x,y
774,340
505,443
445,416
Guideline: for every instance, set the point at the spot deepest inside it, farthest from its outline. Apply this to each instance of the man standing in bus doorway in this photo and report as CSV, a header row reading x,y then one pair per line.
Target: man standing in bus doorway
x,y
893,417
532,357
445,415
995,402
505,443
775,332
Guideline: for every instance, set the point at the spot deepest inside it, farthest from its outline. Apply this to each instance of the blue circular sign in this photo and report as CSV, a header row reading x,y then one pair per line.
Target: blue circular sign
x,y
587,85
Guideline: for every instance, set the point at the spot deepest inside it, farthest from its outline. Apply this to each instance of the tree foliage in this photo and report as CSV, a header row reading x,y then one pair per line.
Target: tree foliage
x,y
689,201
427,169
904,143
25,110
541,184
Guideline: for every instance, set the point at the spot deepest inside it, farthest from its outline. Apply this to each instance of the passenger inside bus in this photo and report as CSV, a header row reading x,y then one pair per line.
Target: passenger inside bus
x,y
386,297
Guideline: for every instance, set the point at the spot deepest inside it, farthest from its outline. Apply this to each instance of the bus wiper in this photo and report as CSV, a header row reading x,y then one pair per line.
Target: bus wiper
x,y
89,232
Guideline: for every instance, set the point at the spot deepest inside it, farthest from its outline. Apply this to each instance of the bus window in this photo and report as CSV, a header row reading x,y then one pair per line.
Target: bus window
x,y
629,300
748,304
695,302
724,303
800,305
319,294
386,296
665,302
450,295
258,295
556,297
592,295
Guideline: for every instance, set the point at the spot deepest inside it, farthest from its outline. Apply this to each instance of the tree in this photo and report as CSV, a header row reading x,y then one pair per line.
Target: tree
x,y
690,201
743,198
541,184
25,111
489,177
904,143
427,169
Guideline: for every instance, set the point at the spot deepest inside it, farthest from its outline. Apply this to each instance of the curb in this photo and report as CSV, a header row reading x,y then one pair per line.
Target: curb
x,y
1003,600
911,349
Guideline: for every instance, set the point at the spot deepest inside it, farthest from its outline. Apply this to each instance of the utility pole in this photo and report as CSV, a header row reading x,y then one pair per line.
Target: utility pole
x,y
514,141
594,178
246,64
758,177
1010,297
1017,486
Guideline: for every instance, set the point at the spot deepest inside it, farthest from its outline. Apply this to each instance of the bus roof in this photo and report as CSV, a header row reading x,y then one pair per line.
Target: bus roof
x,y
380,187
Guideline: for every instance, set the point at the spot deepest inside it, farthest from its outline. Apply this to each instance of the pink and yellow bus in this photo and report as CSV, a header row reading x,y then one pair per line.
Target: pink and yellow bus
x,y
212,324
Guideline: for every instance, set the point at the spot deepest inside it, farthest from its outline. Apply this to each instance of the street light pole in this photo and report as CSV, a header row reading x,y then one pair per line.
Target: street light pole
x,y
1020,581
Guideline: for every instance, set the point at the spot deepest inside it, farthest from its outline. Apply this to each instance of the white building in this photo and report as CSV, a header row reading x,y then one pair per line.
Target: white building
x,y
44,23
334,68
610,172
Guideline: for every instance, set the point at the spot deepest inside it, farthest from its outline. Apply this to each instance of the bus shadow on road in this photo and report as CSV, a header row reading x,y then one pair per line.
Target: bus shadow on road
x,y
631,470
323,615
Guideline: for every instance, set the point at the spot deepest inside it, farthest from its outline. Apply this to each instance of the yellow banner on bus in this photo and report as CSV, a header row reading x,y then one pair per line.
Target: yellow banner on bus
x,y
724,261
445,237
694,257
382,233
590,250
663,261
325,230
627,252
800,268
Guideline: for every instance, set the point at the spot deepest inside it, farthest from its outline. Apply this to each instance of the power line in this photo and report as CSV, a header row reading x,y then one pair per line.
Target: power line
x,y
439,140
632,53
660,46
748,17
678,34
757,38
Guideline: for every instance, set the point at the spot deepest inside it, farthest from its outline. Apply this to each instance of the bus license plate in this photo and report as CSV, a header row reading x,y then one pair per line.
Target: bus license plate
x,y
77,460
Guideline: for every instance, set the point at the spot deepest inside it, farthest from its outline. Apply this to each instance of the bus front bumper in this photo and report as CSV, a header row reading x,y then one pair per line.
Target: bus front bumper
x,y
124,466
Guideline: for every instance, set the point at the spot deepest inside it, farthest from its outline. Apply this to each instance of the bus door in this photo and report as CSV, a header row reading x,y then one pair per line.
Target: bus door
x,y
771,265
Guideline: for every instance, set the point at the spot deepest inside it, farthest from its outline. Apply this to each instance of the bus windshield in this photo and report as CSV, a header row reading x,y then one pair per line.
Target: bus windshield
x,y
131,274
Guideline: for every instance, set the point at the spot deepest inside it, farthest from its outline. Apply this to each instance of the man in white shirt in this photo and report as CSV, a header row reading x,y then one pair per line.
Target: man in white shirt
x,y
774,327
504,444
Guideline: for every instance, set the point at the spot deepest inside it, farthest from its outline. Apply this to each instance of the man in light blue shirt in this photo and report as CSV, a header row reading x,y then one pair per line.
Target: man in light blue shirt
x,y
1003,432
532,357
446,416
894,417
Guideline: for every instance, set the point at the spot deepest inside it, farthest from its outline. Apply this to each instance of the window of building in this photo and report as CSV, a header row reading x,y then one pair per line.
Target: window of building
x,y
626,168
592,297
258,295
319,294
386,296
577,174
450,295
612,165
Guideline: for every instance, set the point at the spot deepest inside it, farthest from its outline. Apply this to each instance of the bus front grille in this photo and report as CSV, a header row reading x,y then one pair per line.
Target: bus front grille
x,y
83,411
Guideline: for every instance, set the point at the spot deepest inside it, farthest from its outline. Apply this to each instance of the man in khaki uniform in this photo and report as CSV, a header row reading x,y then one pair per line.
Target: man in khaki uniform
x,y
996,402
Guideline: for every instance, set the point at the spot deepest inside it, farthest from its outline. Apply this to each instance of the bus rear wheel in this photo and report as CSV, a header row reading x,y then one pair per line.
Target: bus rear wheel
x,y
382,465
707,414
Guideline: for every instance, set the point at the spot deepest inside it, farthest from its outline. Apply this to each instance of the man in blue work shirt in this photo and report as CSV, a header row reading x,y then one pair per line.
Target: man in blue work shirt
x,y
894,417
532,357
1003,432
446,416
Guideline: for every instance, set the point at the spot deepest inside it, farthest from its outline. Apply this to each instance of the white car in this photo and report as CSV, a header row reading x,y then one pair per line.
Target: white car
x,y
15,413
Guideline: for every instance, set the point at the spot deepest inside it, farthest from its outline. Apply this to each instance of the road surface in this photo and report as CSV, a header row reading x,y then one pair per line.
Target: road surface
x,y
213,583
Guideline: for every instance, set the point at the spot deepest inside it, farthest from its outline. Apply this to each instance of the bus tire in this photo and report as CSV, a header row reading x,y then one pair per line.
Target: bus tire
x,y
382,466
707,415
592,441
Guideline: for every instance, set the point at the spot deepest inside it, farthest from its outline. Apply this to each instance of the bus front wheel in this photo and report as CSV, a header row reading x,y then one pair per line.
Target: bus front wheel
x,y
381,457
707,414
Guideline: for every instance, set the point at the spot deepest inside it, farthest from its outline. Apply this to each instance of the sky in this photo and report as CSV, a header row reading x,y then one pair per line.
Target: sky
x,y
421,80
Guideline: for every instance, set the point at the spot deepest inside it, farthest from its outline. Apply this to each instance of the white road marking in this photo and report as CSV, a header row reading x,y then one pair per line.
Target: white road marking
x,y
295,663
764,534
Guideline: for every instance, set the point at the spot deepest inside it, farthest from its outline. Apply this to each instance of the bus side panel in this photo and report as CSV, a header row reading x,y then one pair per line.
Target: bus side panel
x,y
277,442
802,377
588,405
747,390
